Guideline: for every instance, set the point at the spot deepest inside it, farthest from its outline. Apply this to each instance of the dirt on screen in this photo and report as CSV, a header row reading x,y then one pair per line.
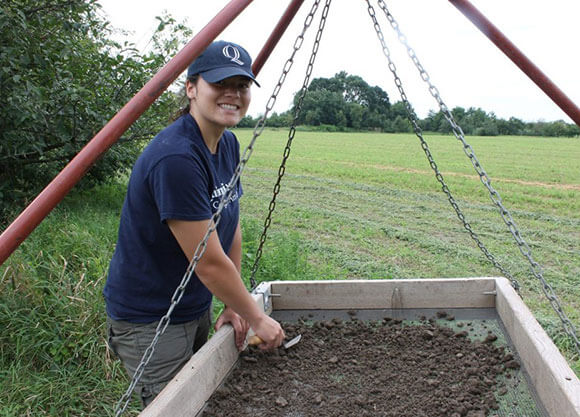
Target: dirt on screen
x,y
353,367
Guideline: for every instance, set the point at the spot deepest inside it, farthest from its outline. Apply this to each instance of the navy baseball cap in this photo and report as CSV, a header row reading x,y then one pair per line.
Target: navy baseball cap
x,y
222,60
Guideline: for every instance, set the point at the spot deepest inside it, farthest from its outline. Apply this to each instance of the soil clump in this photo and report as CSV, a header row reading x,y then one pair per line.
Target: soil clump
x,y
384,368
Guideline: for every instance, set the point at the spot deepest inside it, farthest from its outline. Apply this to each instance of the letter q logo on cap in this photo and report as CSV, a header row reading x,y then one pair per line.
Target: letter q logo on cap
x,y
232,53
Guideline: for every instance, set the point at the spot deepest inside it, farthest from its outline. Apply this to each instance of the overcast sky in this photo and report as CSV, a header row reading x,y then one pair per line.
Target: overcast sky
x,y
467,69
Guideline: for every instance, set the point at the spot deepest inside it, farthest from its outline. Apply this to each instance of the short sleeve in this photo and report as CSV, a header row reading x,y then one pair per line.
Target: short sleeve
x,y
180,188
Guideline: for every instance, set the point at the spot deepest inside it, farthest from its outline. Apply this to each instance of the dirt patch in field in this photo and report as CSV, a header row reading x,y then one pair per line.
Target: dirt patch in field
x,y
370,368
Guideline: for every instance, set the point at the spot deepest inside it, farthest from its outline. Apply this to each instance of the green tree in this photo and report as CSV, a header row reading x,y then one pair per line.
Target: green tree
x,y
488,128
247,121
62,78
279,119
434,122
400,118
401,125
323,107
513,126
354,115
345,101
558,128
458,114
399,109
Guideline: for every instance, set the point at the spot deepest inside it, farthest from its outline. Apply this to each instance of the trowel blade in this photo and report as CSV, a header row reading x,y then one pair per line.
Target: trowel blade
x,y
292,342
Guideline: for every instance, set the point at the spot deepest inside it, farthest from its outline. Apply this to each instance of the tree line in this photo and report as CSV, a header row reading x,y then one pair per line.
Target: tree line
x,y
62,78
346,102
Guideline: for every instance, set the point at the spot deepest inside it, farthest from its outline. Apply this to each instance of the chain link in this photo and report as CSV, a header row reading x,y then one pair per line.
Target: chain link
x,y
291,133
418,131
178,294
175,299
214,221
470,153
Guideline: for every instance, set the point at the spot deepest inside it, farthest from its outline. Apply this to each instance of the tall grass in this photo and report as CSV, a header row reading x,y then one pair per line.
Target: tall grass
x,y
351,206
53,355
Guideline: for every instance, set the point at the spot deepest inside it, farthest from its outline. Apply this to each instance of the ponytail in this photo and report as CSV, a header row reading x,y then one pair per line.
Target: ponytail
x,y
187,107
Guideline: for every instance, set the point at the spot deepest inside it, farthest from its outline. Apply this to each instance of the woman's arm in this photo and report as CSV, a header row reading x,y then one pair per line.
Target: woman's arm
x,y
221,276
228,315
236,250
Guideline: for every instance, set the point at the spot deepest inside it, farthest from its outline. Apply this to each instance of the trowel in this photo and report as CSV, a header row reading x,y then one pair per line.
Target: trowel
x,y
255,340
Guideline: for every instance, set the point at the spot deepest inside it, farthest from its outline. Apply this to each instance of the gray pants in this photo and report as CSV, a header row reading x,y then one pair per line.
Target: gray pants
x,y
174,348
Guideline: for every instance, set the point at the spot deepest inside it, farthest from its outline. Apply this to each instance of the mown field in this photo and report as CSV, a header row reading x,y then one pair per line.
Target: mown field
x,y
351,205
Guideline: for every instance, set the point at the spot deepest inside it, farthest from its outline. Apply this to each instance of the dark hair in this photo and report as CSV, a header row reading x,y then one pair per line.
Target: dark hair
x,y
185,109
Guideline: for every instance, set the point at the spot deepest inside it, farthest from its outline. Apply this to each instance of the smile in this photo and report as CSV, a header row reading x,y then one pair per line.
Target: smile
x,y
228,106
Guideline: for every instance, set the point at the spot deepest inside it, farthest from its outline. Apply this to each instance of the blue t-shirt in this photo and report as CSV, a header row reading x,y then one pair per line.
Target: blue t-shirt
x,y
176,177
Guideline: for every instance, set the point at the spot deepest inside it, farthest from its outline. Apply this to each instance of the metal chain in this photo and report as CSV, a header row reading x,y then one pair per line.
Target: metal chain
x,y
418,131
291,133
178,294
494,195
213,223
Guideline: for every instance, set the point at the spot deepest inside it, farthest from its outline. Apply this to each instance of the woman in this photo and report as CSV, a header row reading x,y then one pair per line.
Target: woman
x,y
175,187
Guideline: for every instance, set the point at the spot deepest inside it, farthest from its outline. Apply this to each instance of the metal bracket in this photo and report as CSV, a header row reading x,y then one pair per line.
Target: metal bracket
x,y
265,289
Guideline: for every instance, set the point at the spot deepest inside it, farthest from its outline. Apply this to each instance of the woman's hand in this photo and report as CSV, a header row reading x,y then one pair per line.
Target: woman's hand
x,y
270,331
240,325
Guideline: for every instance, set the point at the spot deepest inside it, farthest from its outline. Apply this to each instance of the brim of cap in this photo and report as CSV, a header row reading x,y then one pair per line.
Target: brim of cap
x,y
218,74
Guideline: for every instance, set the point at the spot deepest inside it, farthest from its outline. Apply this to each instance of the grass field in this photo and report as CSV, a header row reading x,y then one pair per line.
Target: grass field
x,y
352,205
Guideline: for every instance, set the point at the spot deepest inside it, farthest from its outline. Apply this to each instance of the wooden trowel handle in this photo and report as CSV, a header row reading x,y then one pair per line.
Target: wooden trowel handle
x,y
254,340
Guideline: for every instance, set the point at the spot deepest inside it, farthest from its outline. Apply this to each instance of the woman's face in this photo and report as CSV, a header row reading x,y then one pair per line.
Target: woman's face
x,y
221,104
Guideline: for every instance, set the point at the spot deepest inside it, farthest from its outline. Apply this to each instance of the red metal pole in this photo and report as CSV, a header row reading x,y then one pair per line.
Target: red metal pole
x,y
527,66
54,192
277,33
